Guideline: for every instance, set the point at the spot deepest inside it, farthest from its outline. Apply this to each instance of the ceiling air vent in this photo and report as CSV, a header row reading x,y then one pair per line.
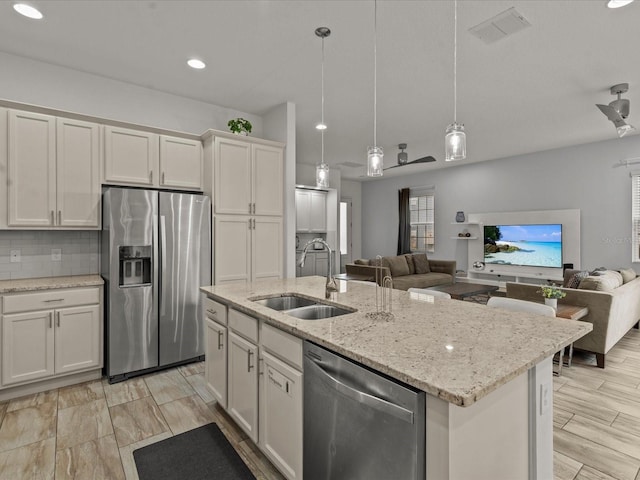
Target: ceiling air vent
x,y
500,26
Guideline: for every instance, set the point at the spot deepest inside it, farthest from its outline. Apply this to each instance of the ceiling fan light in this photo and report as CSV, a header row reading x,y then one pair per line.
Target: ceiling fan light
x,y
375,161
618,3
322,175
455,143
624,129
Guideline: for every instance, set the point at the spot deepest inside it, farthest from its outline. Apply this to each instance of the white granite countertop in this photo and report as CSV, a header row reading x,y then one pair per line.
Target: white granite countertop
x,y
48,283
458,351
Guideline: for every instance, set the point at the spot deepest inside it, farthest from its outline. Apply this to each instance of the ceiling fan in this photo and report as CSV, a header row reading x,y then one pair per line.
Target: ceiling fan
x,y
403,158
618,110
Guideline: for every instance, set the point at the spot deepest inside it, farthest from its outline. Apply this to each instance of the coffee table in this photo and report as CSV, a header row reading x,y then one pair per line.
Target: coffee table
x,y
462,290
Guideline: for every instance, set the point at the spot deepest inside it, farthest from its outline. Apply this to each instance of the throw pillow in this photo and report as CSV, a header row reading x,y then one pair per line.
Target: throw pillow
x,y
397,265
412,267
575,279
567,274
361,261
421,263
600,283
612,277
628,274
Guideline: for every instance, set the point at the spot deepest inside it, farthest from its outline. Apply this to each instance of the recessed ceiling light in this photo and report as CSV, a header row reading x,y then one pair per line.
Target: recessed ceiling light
x,y
27,11
197,64
321,126
618,3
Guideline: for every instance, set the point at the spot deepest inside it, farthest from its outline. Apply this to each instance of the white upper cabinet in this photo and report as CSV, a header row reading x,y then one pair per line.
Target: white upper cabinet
x,y
248,178
53,178
131,156
180,163
311,211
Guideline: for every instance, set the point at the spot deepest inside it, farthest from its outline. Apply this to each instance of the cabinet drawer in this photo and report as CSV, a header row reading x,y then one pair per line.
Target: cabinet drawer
x,y
215,310
244,325
49,299
283,345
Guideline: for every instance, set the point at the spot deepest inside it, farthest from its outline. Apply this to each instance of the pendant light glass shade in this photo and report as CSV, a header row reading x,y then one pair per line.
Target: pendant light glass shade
x,y
455,143
375,161
322,175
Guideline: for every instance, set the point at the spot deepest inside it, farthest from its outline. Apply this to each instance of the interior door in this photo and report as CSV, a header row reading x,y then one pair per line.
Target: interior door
x,y
185,256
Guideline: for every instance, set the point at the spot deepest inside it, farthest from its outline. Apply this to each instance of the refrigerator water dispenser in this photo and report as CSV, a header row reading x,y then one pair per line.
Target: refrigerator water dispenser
x,y
135,265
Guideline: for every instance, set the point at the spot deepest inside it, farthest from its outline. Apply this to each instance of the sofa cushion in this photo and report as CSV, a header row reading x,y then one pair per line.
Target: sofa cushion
x,y
574,280
361,261
421,263
423,280
601,283
628,274
397,265
412,268
614,276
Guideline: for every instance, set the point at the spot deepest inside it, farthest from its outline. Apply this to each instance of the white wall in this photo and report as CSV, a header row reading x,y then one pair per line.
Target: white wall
x,y
38,83
580,177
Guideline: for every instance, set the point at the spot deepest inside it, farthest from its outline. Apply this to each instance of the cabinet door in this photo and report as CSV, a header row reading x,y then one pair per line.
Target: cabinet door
x,y
78,176
281,415
215,370
130,156
303,209
180,163
309,267
31,170
318,212
78,338
266,251
243,384
232,249
232,176
27,347
268,179
321,264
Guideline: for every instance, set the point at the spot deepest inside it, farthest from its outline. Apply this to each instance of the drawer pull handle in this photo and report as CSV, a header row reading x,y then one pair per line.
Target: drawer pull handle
x,y
162,178
59,217
249,355
220,345
212,312
50,319
58,317
54,300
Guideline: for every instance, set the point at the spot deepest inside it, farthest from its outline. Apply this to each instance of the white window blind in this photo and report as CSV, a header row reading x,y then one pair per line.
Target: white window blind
x,y
422,213
635,216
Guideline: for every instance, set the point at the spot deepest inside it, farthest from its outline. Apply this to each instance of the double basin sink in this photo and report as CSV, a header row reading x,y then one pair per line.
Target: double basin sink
x,y
303,308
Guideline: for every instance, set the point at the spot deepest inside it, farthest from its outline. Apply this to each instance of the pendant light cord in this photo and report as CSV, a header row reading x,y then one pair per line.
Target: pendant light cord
x,y
322,109
375,71
455,60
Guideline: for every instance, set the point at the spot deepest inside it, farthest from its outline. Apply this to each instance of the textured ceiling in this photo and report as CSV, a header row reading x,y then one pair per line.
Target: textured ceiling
x,y
532,91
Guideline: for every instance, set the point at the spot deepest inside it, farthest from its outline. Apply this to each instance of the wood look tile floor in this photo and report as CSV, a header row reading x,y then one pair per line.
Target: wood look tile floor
x,y
90,431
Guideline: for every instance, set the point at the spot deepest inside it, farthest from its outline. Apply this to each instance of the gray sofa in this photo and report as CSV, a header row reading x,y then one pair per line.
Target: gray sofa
x,y
613,313
407,271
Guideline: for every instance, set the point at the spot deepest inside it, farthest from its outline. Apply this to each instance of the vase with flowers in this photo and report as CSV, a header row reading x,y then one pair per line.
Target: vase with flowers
x,y
551,294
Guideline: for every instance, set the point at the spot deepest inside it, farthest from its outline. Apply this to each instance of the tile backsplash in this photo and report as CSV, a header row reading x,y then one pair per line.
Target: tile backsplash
x,y
79,253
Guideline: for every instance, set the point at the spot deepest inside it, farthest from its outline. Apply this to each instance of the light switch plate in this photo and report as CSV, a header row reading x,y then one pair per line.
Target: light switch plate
x,y
15,256
56,254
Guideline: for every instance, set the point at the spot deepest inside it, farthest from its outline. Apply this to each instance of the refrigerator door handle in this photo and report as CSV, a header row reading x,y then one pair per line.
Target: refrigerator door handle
x,y
163,261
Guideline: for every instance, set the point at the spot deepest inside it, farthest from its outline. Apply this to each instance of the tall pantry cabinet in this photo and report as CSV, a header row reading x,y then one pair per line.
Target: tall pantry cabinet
x,y
245,177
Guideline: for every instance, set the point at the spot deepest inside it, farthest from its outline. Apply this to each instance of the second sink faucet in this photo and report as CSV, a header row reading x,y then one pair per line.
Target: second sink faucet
x,y
331,285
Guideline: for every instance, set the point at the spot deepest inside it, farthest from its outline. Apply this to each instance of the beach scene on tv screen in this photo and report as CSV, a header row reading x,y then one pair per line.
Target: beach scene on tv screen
x,y
525,245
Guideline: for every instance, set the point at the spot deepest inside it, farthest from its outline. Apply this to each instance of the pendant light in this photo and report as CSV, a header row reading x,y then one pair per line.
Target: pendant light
x,y
322,170
455,140
375,155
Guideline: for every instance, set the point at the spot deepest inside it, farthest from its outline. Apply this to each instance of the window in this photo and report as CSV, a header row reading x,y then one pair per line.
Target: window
x,y
421,212
635,216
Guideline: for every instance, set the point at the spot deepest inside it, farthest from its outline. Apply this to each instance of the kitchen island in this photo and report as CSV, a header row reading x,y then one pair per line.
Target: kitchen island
x,y
487,372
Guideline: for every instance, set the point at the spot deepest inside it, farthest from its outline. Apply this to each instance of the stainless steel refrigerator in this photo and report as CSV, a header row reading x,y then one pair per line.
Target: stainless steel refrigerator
x,y
156,253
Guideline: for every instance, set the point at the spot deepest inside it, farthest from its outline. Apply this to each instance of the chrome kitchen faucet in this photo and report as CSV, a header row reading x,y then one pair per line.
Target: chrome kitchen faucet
x,y
331,285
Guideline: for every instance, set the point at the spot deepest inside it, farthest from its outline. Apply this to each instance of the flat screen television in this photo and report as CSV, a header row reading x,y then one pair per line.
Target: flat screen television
x,y
537,245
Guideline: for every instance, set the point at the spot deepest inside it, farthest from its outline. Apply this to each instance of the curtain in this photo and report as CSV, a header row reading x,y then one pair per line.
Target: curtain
x,y
404,227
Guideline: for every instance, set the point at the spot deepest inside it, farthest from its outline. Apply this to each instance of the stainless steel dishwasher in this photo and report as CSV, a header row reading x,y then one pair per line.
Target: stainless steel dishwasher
x,y
359,424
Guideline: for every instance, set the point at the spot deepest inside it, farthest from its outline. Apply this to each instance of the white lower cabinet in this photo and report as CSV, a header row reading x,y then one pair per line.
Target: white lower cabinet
x,y
281,415
243,384
216,361
46,343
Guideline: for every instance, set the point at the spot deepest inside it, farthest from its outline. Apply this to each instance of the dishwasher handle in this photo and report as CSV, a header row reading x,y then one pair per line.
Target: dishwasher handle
x,y
362,397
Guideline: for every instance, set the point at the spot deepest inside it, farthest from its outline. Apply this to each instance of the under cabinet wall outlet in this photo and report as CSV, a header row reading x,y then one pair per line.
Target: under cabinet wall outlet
x,y
15,256
56,254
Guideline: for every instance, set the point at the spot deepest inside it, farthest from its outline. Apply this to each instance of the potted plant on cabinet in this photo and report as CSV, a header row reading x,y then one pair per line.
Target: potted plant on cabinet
x,y
551,295
240,126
